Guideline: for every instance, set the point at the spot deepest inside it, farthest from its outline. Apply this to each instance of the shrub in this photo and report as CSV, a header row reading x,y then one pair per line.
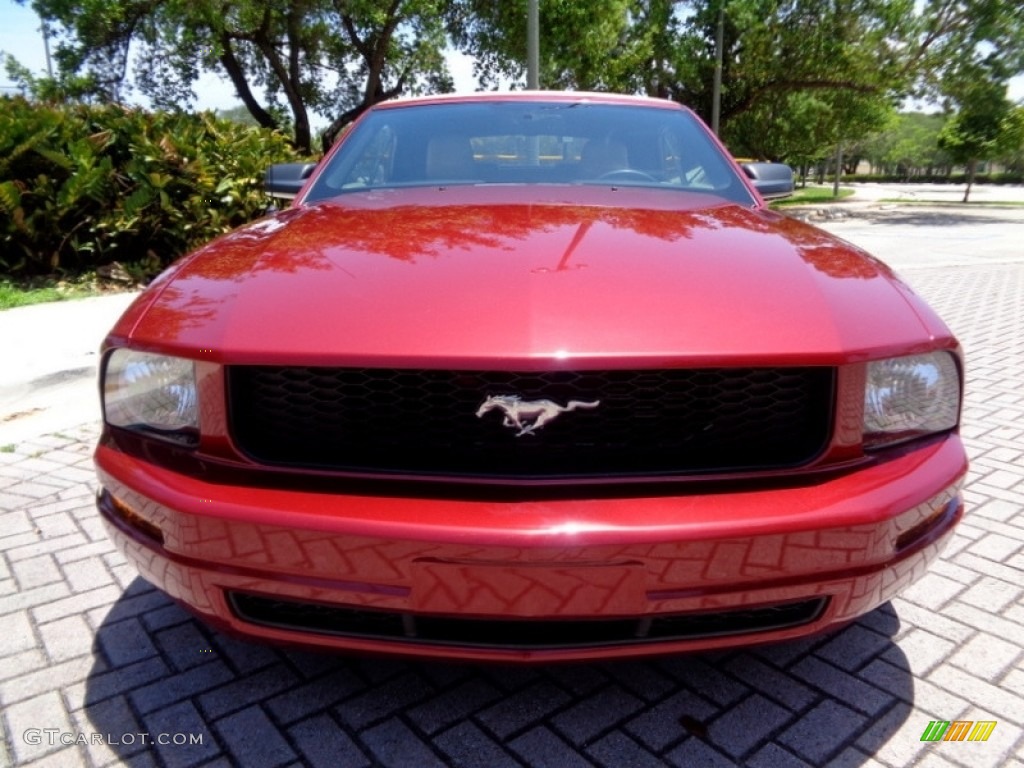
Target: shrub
x,y
956,178
82,186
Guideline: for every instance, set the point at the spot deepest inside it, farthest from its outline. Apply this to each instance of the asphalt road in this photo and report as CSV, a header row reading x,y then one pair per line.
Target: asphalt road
x,y
919,235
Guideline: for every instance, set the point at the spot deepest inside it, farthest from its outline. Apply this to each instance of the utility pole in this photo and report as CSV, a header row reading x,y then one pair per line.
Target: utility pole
x,y
533,45
716,88
46,47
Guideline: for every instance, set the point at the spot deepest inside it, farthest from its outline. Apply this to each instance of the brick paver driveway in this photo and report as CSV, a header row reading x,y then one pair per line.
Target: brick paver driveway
x,y
97,668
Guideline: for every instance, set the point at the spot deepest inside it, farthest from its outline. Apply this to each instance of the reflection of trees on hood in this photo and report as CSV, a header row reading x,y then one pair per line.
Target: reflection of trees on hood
x,y
411,232
821,251
322,236
837,261
246,250
305,238
183,308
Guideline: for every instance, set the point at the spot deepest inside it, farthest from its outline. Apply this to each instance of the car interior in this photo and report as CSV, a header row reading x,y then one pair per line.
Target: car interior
x,y
530,144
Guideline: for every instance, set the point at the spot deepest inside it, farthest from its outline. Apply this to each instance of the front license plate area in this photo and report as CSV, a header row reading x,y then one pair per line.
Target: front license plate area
x,y
534,591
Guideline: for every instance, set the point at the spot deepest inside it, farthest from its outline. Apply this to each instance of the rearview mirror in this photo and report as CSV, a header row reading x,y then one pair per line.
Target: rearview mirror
x,y
771,180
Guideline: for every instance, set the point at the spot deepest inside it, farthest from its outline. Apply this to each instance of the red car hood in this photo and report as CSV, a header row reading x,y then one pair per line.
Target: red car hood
x,y
478,276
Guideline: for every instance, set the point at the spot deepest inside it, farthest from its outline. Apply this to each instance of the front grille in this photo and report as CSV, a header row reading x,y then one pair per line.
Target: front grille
x,y
424,422
319,618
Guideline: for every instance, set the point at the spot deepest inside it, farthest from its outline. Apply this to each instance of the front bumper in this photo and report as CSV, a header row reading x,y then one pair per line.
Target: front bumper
x,y
423,576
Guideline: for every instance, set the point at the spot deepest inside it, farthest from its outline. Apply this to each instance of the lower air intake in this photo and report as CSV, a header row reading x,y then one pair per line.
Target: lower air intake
x,y
319,618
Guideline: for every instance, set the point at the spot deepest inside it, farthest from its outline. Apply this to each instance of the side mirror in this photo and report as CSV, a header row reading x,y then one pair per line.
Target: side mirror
x,y
771,180
285,180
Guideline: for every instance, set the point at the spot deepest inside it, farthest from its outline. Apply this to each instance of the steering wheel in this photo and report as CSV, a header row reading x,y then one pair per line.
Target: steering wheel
x,y
625,174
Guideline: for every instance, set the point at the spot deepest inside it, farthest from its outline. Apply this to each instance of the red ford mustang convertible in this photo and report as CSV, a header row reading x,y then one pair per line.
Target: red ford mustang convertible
x,y
530,377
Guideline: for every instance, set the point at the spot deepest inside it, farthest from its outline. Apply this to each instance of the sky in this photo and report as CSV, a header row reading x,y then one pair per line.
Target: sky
x,y
20,37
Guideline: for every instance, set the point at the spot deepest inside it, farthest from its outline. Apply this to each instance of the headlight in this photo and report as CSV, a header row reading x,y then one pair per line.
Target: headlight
x,y
150,393
908,397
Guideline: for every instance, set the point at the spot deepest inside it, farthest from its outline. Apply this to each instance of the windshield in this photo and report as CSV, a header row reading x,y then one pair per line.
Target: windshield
x,y
517,142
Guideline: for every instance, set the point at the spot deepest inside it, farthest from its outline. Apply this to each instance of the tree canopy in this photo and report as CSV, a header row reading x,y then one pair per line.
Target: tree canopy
x,y
982,127
286,58
818,72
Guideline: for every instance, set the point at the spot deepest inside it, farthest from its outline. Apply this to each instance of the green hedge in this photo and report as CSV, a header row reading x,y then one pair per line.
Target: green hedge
x,y
956,178
83,186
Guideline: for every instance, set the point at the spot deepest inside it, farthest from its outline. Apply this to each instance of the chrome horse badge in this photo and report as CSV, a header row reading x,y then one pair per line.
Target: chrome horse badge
x,y
529,415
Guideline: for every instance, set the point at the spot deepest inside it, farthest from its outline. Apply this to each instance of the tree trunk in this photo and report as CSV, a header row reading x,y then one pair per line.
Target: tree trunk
x,y
839,169
303,133
237,75
287,76
972,166
374,53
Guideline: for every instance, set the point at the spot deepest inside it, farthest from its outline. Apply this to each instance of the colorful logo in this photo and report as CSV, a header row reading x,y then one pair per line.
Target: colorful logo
x,y
958,730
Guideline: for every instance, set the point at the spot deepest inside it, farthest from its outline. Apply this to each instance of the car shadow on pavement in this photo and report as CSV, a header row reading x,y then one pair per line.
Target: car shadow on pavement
x,y
935,217
165,688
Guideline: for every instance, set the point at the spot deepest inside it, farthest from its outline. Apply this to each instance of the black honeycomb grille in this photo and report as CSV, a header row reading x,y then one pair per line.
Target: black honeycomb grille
x,y
650,423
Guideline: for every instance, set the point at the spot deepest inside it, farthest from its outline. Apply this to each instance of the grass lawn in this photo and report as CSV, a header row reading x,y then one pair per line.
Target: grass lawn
x,y
812,196
19,293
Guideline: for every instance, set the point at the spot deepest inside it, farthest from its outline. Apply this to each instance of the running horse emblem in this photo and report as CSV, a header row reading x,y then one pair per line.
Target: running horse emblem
x,y
529,415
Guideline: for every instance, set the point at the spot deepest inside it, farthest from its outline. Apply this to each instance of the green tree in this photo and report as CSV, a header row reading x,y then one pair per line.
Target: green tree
x,y
324,56
581,43
835,69
807,126
956,39
52,90
1012,150
666,48
908,145
981,128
